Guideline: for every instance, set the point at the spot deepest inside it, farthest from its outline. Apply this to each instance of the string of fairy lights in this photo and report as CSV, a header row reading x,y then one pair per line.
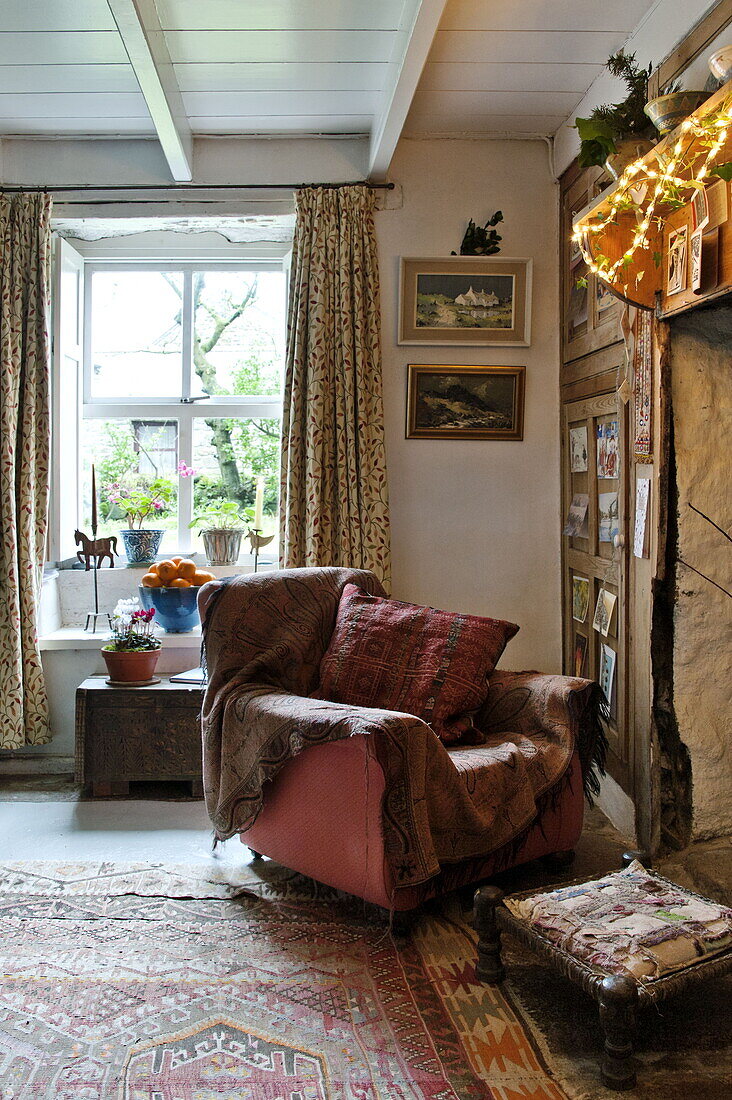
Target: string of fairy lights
x,y
644,188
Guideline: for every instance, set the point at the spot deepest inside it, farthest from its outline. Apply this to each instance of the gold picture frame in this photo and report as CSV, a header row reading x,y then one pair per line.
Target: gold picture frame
x,y
465,402
465,300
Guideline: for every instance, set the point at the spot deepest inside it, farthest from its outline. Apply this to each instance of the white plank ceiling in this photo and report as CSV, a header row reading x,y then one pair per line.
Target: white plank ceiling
x,y
310,66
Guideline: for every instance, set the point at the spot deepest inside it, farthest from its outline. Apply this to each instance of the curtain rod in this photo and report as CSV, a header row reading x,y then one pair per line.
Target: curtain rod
x,y
16,189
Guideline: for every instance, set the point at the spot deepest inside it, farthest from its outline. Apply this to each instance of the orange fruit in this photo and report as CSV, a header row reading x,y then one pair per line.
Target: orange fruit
x,y
201,576
178,582
186,568
176,561
167,572
151,580
153,568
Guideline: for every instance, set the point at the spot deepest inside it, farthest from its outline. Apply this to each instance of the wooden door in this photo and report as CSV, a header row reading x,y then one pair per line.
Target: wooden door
x,y
595,561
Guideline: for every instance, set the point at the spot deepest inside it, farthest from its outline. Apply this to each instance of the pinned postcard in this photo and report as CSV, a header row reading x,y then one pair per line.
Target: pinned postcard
x,y
607,673
580,654
695,258
640,534
580,598
700,208
576,525
676,261
604,612
578,450
607,504
716,200
608,454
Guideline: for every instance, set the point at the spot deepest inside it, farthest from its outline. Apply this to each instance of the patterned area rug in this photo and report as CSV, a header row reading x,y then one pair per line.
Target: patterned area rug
x,y
140,982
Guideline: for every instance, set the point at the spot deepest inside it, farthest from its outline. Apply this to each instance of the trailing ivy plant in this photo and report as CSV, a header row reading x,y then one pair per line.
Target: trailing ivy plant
x,y
612,122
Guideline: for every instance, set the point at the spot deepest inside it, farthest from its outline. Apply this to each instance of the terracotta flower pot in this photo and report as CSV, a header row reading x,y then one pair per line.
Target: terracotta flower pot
x,y
628,150
130,666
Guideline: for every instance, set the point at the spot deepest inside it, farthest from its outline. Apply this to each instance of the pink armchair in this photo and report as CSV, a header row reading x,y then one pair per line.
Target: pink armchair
x,y
370,801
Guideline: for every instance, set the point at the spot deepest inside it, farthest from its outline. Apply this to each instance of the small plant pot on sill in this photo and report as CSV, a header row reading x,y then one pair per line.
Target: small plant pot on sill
x,y
141,546
222,545
130,666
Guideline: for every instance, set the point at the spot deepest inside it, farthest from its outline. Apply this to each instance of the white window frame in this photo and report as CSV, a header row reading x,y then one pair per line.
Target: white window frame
x,y
185,409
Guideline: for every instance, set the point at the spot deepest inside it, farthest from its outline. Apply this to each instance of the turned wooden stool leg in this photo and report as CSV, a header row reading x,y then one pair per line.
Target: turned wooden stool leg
x,y
642,856
489,967
618,1005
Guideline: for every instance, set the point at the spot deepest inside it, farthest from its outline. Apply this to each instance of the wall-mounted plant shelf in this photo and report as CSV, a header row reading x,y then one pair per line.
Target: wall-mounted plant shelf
x,y
624,234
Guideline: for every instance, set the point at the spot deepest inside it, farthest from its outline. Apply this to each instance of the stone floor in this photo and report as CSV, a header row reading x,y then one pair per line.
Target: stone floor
x,y
74,825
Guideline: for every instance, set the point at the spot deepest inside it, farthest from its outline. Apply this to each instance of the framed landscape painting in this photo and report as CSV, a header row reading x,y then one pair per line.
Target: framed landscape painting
x,y
465,300
465,402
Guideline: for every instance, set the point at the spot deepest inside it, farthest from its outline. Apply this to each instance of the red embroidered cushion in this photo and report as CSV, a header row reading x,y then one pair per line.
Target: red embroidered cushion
x,y
399,656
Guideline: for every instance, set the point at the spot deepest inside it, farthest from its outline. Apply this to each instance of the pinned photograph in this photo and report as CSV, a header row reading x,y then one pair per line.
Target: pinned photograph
x,y
607,505
578,450
608,454
604,612
676,270
580,654
607,673
580,598
576,525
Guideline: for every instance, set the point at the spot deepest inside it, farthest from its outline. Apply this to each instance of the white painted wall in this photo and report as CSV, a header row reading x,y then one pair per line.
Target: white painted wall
x,y
475,525
662,28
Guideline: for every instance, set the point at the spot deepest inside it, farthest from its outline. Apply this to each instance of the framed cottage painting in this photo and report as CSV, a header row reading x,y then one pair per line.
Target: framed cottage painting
x,y
465,300
465,402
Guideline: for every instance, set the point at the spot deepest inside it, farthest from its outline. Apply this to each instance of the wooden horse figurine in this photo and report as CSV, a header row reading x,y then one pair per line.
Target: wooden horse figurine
x,y
95,548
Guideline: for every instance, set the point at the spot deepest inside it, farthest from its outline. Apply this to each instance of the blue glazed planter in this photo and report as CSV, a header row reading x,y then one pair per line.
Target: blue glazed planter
x,y
142,546
176,609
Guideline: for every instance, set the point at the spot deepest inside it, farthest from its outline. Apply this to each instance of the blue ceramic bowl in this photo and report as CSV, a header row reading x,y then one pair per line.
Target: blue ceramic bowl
x,y
176,609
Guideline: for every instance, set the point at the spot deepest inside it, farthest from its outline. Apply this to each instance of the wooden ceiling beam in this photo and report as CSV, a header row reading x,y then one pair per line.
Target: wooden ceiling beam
x,y
420,21
140,30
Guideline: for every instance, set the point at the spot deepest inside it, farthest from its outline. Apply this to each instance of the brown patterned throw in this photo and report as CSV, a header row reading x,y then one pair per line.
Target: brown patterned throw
x,y
265,636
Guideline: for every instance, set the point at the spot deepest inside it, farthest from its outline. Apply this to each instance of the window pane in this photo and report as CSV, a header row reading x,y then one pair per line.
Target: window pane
x,y
128,455
136,334
228,457
238,332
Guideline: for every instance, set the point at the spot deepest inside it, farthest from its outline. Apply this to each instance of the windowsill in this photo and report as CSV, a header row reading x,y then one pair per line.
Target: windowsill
x,y
74,637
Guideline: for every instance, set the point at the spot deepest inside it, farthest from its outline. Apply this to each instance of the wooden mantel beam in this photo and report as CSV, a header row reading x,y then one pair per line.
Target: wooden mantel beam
x,y
420,21
139,27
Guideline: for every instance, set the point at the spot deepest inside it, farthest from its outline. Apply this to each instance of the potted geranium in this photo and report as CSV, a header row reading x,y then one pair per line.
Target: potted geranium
x,y
140,499
222,526
133,650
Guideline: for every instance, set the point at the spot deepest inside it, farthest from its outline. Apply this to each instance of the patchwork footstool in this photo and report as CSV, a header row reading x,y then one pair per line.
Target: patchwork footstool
x,y
629,939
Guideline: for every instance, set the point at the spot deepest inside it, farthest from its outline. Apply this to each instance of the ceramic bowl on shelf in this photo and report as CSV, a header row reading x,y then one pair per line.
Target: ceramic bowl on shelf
x,y
176,609
720,64
667,111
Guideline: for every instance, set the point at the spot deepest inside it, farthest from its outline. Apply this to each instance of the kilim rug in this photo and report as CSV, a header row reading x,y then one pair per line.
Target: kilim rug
x,y
140,982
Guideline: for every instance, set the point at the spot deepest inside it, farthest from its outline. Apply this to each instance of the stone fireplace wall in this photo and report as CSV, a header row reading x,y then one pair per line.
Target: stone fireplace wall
x,y
701,394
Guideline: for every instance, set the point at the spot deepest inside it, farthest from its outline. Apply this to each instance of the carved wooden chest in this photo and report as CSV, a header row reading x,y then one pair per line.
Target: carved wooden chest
x,y
145,733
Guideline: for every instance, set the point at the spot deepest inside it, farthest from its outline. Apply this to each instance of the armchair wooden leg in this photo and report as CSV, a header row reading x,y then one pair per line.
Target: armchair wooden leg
x,y
618,1006
489,967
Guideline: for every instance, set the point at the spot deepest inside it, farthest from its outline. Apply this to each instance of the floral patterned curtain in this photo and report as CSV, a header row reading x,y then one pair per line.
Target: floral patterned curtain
x,y
334,507
25,242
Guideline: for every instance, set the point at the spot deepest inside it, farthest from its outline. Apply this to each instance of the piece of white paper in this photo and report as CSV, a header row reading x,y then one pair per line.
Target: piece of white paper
x,y
640,540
